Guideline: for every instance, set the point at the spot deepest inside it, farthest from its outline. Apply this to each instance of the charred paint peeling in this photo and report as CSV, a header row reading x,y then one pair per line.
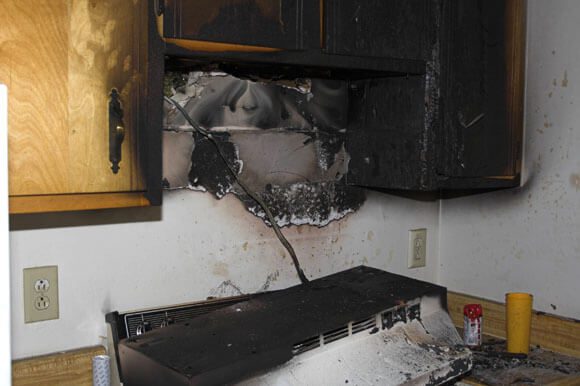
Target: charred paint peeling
x,y
455,369
308,203
284,138
208,169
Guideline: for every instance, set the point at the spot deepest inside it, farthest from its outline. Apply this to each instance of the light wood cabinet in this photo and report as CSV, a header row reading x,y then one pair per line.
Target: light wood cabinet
x,y
61,59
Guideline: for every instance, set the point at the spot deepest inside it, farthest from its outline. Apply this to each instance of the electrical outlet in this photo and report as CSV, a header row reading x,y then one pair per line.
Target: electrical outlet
x,y
40,293
41,285
42,302
417,248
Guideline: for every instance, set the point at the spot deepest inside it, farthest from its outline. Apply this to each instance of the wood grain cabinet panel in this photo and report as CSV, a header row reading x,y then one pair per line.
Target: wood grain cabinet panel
x,y
60,60
34,66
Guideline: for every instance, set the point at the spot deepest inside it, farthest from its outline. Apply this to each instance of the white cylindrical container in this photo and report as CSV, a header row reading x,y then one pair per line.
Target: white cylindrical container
x,y
472,325
101,370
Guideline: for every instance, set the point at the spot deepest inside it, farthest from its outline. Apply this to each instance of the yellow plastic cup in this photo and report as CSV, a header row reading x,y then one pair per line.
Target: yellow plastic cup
x,y
518,322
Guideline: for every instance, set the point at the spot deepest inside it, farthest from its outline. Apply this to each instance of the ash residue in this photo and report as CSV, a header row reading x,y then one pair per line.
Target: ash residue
x,y
536,359
540,367
308,203
329,148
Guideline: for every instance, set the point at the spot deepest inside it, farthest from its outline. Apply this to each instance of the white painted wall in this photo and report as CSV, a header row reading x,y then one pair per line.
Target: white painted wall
x,y
529,239
5,368
199,243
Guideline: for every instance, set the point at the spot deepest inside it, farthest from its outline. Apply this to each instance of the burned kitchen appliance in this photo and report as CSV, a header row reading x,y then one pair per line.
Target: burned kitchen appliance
x,y
360,325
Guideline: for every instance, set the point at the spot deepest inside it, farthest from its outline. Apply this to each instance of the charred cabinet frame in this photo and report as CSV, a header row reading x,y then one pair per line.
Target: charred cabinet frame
x,y
435,87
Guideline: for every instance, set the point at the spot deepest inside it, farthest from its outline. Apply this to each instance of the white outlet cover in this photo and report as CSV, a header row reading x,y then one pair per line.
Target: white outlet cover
x,y
417,256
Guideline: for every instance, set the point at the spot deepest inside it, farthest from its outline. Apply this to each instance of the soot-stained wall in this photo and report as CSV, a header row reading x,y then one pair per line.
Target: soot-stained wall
x,y
195,247
527,239
285,139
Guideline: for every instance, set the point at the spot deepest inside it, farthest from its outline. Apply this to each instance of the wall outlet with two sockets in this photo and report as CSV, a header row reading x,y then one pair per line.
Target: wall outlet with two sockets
x,y
40,294
417,248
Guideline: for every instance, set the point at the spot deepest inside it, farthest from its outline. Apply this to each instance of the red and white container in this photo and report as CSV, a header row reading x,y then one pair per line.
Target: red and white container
x,y
472,324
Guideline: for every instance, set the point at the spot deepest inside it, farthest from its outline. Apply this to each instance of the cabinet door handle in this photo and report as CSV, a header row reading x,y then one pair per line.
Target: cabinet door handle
x,y
116,130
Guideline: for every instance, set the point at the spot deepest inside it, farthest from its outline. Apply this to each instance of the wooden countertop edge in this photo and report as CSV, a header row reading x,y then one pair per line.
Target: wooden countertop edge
x,y
71,368
75,202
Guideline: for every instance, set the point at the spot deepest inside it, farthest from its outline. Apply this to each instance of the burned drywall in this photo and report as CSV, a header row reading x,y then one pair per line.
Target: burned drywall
x,y
285,139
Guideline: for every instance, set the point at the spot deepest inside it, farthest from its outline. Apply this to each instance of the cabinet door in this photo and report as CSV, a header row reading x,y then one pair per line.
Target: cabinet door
x,y
285,24
381,28
463,129
387,136
482,71
60,60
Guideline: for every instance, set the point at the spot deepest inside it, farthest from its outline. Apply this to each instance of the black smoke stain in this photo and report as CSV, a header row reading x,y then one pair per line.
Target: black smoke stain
x,y
209,170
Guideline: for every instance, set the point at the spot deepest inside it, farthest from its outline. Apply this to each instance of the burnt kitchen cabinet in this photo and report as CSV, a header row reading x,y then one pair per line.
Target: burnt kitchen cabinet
x,y
458,125
85,102
379,28
280,24
386,123
482,67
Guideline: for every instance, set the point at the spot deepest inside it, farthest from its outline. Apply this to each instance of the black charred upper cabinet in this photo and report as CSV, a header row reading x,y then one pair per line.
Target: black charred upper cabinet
x,y
285,24
481,59
458,125
383,28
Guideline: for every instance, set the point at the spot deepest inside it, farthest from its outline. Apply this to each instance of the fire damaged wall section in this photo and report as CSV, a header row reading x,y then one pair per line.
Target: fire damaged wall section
x,y
285,139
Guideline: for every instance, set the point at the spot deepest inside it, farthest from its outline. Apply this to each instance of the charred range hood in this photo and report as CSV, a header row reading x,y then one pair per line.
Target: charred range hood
x,y
358,326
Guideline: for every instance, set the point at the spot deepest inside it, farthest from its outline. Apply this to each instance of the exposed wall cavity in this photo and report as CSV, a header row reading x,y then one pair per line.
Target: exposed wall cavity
x,y
285,139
